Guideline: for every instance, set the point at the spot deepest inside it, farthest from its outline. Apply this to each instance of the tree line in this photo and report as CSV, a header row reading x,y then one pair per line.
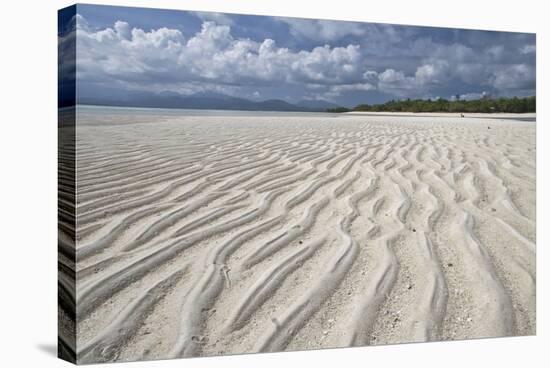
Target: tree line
x,y
484,105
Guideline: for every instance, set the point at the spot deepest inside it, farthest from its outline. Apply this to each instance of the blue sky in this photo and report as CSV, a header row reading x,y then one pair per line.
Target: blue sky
x,y
123,50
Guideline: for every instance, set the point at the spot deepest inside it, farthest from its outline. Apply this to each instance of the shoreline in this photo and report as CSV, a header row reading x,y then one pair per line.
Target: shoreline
x,y
493,115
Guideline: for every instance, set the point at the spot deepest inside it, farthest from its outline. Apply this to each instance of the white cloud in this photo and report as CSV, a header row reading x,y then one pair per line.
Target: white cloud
x,y
435,72
323,30
214,59
79,22
517,76
394,79
219,18
123,30
164,56
370,76
528,49
396,82
337,90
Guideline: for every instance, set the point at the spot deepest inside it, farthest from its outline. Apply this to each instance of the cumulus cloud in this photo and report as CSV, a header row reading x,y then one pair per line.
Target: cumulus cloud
x,y
370,75
395,81
504,79
338,90
134,56
434,73
345,59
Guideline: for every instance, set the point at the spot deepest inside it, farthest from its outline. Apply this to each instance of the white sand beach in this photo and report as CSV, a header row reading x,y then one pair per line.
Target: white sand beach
x,y
211,235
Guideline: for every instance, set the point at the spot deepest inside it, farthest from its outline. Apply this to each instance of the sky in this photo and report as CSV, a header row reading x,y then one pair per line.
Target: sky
x,y
123,50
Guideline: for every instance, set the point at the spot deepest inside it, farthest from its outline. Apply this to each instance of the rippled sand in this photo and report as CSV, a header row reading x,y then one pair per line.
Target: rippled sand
x,y
212,235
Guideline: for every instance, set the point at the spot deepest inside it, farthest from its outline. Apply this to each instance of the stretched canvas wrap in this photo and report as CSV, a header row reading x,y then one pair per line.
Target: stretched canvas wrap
x,y
235,184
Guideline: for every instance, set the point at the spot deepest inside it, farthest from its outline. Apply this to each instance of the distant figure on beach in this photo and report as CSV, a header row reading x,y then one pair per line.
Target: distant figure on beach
x,y
461,115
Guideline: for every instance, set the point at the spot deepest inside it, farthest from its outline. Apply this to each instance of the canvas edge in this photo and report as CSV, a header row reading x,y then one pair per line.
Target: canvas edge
x,y
66,188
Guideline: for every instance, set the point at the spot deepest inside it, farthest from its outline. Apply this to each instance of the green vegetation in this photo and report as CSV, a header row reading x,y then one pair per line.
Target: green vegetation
x,y
513,105
485,105
338,109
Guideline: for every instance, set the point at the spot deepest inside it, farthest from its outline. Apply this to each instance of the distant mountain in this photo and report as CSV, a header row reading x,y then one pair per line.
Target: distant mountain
x,y
320,105
213,101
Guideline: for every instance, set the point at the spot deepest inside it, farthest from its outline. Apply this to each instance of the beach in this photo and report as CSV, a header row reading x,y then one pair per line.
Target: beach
x,y
201,235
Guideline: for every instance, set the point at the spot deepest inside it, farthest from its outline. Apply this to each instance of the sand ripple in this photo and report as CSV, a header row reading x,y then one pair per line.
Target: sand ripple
x,y
223,235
